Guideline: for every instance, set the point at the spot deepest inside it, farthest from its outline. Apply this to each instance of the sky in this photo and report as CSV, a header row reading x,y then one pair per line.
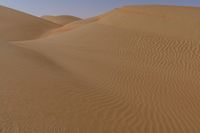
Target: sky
x,y
82,8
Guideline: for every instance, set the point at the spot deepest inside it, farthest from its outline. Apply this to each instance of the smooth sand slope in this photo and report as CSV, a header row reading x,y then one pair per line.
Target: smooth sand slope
x,y
61,20
107,76
15,25
31,92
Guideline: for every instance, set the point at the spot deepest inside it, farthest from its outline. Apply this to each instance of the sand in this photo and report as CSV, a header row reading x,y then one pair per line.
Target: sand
x,y
16,26
71,26
132,70
61,20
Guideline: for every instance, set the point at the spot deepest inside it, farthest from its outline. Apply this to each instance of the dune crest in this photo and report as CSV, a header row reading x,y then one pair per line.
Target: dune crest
x,y
16,26
71,26
61,20
172,21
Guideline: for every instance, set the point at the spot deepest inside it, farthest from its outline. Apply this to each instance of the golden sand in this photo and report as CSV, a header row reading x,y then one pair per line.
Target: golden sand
x,y
135,69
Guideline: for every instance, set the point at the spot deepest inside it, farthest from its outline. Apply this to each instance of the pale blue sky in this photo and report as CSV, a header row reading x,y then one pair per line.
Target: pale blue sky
x,y
82,8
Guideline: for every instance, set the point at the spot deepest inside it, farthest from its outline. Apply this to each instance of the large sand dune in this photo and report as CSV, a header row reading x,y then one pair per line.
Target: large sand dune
x,y
132,70
15,25
182,22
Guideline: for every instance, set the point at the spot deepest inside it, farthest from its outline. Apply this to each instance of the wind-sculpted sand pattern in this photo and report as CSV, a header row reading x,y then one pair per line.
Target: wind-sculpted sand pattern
x,y
101,78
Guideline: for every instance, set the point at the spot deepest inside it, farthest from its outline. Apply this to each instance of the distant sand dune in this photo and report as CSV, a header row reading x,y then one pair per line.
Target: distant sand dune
x,y
132,70
61,20
71,26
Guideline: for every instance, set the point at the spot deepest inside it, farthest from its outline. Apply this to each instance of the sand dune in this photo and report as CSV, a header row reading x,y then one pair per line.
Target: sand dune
x,y
15,25
134,69
181,22
28,79
61,20
71,26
